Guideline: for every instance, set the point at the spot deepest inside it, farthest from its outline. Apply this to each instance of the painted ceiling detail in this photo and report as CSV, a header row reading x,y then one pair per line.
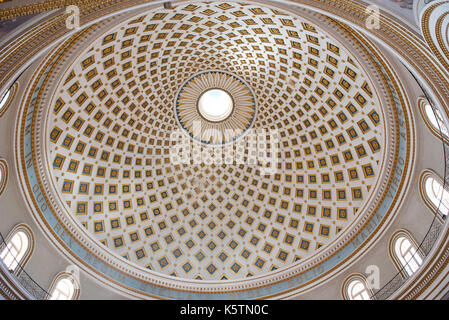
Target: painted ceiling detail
x,y
109,148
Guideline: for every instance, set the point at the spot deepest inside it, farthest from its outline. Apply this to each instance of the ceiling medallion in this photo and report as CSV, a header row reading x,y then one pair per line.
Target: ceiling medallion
x,y
217,101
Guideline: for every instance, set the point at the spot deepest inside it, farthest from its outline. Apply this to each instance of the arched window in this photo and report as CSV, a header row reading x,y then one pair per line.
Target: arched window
x,y
14,250
438,195
433,119
405,253
434,194
64,287
436,119
355,287
6,99
18,248
408,255
3,175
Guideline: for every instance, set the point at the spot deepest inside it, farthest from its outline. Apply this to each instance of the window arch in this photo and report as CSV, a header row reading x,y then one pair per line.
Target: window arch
x,y
433,118
3,175
356,287
434,194
64,287
405,253
18,248
6,99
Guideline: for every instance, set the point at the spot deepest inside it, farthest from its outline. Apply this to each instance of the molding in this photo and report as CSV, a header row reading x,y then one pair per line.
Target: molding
x,y
33,8
433,17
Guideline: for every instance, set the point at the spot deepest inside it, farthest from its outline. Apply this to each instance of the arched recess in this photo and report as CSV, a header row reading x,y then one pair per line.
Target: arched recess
x,y
3,175
434,193
405,253
355,287
433,119
18,248
7,98
64,287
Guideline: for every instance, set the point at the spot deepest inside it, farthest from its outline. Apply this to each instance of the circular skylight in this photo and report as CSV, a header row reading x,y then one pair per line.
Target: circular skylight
x,y
215,105
220,102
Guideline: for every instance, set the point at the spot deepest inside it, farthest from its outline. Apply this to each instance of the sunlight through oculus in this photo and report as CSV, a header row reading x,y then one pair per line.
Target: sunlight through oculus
x,y
215,105
220,102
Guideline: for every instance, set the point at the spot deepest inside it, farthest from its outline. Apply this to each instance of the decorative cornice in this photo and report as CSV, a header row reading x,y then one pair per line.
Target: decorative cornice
x,y
432,18
15,11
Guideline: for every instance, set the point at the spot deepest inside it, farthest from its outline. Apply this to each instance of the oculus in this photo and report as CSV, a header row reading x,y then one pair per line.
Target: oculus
x,y
215,105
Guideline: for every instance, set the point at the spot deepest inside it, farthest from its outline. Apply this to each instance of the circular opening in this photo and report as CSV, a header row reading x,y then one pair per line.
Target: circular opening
x,y
215,105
